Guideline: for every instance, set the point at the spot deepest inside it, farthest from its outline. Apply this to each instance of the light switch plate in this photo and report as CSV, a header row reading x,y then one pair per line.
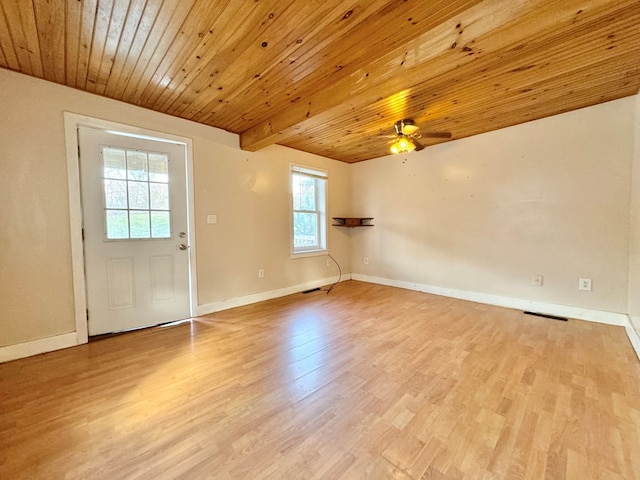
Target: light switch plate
x,y
584,284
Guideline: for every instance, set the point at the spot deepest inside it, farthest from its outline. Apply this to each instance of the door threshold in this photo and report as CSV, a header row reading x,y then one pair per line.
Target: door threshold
x,y
102,336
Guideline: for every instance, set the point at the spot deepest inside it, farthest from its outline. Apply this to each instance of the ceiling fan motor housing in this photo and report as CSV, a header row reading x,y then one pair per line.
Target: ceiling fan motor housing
x,y
405,127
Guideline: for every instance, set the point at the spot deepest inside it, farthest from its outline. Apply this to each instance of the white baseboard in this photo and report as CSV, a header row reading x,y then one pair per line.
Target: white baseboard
x,y
633,334
610,318
35,347
43,345
228,303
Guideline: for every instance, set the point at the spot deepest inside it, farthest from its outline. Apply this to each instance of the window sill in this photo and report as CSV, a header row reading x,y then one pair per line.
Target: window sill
x,y
309,253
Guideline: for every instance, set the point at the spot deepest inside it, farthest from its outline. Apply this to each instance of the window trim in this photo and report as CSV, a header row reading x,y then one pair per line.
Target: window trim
x,y
317,174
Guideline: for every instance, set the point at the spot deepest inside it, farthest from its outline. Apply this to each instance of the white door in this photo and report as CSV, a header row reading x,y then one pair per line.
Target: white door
x,y
136,240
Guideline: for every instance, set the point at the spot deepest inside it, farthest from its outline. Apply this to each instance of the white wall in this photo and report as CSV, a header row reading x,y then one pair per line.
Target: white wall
x,y
634,251
247,191
484,214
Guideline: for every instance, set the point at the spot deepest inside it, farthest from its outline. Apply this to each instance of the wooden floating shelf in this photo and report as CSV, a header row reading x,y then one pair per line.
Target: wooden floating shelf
x,y
352,222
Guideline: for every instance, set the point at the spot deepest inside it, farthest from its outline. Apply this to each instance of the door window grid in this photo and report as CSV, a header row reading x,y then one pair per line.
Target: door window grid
x,y
136,194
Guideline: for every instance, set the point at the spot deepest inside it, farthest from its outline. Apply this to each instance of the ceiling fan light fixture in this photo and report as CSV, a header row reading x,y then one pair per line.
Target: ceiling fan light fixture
x,y
402,145
410,129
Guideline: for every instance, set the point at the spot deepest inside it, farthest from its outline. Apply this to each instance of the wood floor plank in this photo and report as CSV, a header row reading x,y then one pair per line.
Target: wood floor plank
x,y
367,382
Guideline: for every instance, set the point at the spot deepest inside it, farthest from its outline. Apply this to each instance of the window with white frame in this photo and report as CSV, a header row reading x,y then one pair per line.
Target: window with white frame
x,y
309,210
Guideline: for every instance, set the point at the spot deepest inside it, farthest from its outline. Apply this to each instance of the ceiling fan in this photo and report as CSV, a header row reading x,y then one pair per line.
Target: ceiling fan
x,y
406,139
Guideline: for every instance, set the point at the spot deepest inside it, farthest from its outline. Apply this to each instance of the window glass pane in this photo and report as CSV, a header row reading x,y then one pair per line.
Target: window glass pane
x,y
305,229
160,225
115,163
137,165
295,190
308,187
304,192
115,193
158,167
139,195
139,222
117,224
159,196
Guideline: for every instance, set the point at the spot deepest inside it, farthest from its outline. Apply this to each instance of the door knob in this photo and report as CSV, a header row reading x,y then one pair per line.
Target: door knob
x,y
182,246
182,234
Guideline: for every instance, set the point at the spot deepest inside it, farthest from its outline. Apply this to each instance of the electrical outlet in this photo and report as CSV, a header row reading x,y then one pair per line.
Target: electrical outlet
x,y
212,219
584,284
366,260
328,262
537,280
261,273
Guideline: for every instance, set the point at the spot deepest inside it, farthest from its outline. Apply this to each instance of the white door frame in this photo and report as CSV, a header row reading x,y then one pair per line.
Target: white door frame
x,y
71,123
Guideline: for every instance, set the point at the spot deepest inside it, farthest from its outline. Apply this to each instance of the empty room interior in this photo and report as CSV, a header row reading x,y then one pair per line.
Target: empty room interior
x,y
266,239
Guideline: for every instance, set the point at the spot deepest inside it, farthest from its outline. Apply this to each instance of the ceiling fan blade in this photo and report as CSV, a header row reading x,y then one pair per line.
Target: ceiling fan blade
x,y
418,145
436,134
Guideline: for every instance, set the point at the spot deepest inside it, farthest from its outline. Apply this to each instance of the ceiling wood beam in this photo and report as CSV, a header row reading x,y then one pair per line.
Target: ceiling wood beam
x,y
473,35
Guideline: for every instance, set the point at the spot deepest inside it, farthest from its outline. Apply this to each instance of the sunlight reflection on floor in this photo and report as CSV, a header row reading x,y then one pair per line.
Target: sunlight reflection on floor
x,y
306,354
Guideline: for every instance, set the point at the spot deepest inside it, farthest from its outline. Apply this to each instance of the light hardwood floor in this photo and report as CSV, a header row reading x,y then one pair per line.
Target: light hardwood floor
x,y
367,382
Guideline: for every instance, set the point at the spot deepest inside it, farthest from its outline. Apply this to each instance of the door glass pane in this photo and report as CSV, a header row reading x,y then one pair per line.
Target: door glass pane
x,y
158,167
117,224
138,195
115,193
139,222
115,163
159,196
160,226
137,165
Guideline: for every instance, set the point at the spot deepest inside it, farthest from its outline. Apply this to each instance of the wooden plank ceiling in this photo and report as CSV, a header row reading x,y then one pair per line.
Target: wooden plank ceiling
x,y
330,76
